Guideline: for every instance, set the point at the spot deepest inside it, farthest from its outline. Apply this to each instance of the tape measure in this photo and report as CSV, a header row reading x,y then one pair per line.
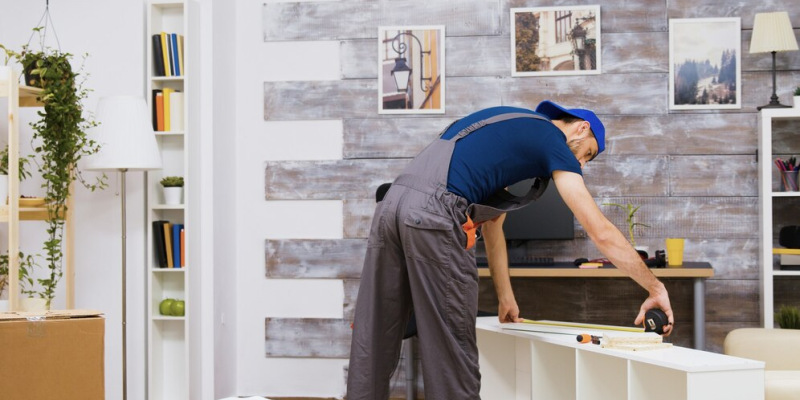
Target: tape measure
x,y
655,320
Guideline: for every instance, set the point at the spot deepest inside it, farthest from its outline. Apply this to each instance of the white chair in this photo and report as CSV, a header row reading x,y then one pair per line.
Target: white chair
x,y
779,349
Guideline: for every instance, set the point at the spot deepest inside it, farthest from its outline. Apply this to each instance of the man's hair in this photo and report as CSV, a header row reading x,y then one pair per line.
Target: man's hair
x,y
568,119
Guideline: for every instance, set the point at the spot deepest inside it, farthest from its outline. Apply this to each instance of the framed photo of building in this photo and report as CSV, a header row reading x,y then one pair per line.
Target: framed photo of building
x,y
555,41
411,70
705,63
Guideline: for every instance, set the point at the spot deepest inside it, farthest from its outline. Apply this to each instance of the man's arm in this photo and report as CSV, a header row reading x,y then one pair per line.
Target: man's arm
x,y
495,241
610,241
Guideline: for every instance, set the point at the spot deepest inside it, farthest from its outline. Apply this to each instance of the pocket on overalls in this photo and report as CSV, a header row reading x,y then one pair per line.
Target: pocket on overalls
x,y
428,236
377,230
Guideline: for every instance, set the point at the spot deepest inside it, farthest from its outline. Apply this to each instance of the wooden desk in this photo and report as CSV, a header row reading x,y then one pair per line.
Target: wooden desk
x,y
695,270
527,365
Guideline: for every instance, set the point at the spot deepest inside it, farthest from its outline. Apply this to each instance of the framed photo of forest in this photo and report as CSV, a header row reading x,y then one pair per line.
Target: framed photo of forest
x,y
555,41
705,63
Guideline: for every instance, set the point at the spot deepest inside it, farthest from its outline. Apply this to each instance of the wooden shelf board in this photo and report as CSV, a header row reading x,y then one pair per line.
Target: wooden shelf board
x,y
167,78
780,250
168,207
173,133
785,194
780,272
26,214
166,318
27,94
173,270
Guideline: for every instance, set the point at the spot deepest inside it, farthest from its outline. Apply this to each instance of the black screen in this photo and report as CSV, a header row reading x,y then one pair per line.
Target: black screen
x,y
546,218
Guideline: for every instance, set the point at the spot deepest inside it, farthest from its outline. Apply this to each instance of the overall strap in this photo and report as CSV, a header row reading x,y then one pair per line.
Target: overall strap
x,y
491,120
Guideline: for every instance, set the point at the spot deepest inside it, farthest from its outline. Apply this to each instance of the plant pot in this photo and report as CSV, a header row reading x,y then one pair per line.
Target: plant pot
x,y
4,189
173,195
3,305
796,101
33,304
31,79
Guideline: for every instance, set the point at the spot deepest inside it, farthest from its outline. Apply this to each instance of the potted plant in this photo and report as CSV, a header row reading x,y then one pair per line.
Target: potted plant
x,y
61,141
23,173
796,98
33,300
173,189
630,218
788,317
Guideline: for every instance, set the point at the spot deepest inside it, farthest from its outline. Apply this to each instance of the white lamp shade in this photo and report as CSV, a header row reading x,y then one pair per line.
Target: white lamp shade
x,y
772,32
125,135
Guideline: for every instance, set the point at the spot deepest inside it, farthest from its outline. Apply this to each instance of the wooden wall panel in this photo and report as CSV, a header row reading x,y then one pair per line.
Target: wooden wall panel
x,y
785,60
583,91
713,176
615,16
732,300
785,137
358,98
358,217
746,10
307,337
315,258
329,180
390,137
627,176
634,52
361,19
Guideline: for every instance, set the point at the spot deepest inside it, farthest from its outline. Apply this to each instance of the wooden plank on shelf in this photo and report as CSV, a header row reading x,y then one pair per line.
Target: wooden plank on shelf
x,y
328,180
724,8
361,19
315,258
581,92
713,175
615,16
358,98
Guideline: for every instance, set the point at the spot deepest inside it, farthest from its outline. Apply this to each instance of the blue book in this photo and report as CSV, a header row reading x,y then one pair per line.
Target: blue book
x,y
174,44
176,244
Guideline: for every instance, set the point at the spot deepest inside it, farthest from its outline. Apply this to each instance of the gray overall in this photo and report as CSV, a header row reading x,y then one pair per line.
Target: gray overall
x,y
417,253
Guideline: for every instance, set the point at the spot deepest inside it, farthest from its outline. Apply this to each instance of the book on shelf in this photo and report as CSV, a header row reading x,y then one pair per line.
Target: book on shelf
x,y
176,59
176,111
183,246
180,55
176,245
159,248
158,56
167,112
168,244
171,55
158,110
165,54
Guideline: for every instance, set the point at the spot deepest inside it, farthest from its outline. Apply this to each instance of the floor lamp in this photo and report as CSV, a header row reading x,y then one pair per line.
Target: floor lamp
x,y
772,32
127,143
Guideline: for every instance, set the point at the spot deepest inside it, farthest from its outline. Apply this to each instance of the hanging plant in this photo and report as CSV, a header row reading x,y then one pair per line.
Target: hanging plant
x,y
62,142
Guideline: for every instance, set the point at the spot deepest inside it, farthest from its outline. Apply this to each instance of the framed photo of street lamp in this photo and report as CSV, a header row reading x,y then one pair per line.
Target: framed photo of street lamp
x,y
411,70
555,41
705,63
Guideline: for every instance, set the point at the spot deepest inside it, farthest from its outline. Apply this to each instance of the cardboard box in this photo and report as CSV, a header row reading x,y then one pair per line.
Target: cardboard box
x,y
58,355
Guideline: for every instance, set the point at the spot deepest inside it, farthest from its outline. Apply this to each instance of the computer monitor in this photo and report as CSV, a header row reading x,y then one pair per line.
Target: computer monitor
x,y
548,218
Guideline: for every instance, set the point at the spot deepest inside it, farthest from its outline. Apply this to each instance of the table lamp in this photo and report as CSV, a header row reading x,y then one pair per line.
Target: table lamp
x,y
127,143
772,32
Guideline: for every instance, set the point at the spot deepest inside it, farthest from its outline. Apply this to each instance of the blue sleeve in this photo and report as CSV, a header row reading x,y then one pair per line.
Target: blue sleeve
x,y
556,155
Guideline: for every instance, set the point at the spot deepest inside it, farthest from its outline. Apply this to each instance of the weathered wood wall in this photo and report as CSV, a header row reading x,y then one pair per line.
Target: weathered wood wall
x,y
694,172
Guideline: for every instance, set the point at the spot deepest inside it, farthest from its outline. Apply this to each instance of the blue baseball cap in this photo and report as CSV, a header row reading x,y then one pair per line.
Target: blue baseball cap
x,y
553,111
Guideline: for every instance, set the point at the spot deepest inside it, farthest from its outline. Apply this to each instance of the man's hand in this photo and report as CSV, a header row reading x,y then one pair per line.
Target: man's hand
x,y
660,300
508,311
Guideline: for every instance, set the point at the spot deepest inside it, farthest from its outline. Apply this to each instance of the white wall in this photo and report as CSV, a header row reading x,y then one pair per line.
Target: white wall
x,y
259,141
112,32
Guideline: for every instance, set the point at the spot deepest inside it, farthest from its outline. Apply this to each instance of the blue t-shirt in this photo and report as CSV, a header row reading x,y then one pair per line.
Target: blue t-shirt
x,y
504,153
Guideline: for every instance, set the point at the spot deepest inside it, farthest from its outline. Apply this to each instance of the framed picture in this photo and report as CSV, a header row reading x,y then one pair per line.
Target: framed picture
x,y
411,70
705,63
555,41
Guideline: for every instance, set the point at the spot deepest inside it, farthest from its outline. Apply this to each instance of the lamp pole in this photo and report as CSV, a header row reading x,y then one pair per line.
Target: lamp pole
x,y
124,296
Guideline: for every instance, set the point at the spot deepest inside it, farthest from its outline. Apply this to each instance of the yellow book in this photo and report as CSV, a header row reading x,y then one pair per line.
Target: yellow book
x,y
165,53
167,119
180,55
168,242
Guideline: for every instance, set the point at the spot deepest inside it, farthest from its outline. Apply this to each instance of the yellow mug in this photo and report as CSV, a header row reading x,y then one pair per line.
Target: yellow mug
x,y
675,251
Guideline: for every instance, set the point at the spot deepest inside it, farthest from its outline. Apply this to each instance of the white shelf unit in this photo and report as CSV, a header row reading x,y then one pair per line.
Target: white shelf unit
x,y
768,192
525,365
169,360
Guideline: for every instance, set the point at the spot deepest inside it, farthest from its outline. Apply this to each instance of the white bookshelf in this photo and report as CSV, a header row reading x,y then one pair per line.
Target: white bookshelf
x,y
767,195
169,359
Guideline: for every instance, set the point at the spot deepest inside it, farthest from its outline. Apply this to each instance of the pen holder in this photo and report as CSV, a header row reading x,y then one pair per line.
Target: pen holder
x,y
789,181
